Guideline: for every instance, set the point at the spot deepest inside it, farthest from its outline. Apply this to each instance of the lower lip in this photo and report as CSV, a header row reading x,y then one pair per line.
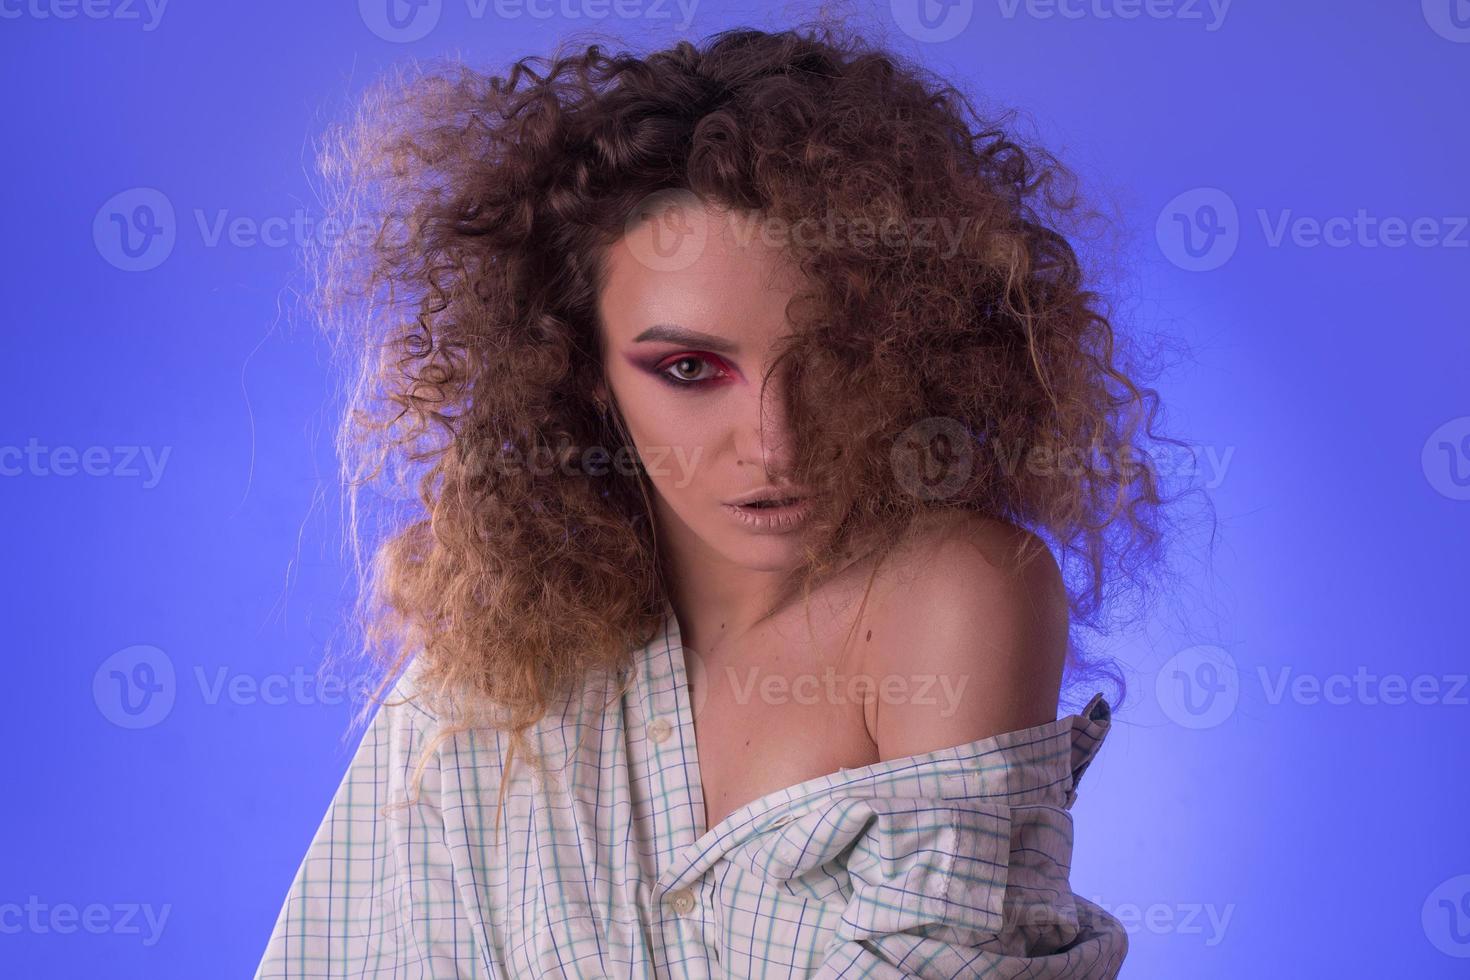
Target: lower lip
x,y
771,518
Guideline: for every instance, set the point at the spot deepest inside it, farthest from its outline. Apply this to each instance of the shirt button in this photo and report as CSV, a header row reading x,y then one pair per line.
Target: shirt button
x,y
682,901
659,729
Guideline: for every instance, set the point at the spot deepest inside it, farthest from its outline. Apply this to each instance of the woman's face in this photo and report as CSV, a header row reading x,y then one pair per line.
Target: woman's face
x,y
693,303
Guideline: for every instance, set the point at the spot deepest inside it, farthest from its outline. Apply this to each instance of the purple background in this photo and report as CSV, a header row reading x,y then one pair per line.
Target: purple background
x,y
1240,828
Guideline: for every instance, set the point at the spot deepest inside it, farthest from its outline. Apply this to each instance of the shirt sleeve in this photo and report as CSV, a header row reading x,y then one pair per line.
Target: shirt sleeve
x,y
376,894
945,888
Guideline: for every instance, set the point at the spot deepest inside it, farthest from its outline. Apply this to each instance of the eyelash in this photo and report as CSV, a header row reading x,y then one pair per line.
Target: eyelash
x,y
664,375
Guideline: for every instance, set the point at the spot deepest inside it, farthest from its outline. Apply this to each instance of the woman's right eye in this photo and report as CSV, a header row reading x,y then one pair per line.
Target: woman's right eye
x,y
684,371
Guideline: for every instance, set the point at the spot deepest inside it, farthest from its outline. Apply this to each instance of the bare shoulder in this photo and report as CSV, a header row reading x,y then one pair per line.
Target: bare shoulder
x,y
968,630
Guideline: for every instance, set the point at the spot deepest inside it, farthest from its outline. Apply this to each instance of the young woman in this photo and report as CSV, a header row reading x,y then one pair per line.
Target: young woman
x,y
774,451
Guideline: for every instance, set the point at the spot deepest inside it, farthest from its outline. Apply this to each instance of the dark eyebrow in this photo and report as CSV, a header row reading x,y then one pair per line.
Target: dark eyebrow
x,y
693,338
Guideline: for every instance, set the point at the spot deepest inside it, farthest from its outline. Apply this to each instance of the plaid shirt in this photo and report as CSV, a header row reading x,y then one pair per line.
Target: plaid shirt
x,y
950,863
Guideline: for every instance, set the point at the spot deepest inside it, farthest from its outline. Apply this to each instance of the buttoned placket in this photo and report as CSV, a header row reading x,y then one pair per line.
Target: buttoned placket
x,y
676,796
670,727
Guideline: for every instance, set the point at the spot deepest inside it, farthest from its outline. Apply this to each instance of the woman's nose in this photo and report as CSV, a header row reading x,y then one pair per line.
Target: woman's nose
x,y
764,438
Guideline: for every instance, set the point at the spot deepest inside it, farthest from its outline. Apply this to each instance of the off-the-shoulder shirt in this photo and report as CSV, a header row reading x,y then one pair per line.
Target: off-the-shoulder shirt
x,y
950,863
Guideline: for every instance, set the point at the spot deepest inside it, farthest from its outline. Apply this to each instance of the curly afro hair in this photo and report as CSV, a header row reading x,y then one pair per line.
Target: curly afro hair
x,y
972,370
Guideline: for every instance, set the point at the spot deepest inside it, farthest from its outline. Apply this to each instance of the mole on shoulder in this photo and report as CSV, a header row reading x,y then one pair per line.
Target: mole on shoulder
x,y
868,637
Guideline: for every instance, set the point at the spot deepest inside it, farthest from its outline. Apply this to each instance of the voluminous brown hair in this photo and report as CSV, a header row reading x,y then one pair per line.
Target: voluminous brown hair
x,y
477,211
